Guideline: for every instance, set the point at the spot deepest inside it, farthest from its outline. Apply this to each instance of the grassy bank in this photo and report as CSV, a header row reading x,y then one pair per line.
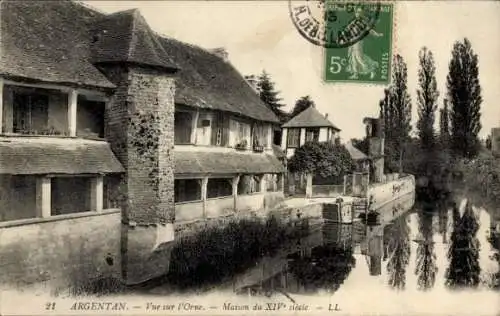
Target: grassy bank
x,y
216,254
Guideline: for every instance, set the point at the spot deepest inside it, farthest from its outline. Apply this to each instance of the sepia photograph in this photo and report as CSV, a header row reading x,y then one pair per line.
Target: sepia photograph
x,y
249,157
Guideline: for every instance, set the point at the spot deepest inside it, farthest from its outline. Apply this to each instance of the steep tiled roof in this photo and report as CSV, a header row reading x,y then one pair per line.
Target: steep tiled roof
x,y
309,118
215,162
48,41
207,81
126,37
61,41
56,156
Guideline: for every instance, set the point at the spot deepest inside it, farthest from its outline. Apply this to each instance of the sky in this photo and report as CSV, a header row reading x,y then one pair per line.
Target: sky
x,y
260,35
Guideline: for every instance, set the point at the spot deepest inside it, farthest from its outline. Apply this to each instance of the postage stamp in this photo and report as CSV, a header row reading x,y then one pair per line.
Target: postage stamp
x,y
368,58
357,37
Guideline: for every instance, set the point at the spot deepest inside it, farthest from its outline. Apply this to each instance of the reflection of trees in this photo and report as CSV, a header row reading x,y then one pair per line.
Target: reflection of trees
x,y
426,267
327,268
443,222
398,247
463,253
495,243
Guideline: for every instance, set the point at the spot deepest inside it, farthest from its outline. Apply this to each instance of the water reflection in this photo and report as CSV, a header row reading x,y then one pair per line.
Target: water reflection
x,y
426,267
418,248
398,247
463,254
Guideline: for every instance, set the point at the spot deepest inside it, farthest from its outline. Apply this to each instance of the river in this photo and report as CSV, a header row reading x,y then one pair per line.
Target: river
x,y
402,264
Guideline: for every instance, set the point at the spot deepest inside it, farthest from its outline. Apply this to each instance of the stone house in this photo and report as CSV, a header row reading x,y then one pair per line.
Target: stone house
x,y
112,139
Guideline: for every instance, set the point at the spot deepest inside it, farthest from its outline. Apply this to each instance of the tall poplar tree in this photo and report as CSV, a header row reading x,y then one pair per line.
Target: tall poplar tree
x,y
427,95
395,110
444,125
464,95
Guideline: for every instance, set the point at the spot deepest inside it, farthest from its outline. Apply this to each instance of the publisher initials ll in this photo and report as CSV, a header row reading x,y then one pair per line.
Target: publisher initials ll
x,y
333,307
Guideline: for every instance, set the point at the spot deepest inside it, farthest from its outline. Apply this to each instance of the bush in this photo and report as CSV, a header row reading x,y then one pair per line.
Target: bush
x,y
98,286
215,254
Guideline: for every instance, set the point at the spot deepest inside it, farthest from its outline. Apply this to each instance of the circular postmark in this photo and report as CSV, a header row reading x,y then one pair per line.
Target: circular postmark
x,y
332,23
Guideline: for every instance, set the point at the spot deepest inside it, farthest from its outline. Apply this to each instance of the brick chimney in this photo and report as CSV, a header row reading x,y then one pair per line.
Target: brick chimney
x,y
253,82
326,116
221,52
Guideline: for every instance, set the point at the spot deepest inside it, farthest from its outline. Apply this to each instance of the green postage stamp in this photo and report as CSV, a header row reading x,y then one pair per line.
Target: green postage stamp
x,y
368,58
356,36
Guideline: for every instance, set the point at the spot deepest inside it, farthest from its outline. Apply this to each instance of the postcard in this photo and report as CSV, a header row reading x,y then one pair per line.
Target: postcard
x,y
266,157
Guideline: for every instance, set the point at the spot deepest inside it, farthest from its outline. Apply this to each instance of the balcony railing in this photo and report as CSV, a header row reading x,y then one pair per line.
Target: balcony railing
x,y
258,148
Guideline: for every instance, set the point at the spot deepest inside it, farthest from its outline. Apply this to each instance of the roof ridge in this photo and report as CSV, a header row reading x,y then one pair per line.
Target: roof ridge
x,y
88,6
133,39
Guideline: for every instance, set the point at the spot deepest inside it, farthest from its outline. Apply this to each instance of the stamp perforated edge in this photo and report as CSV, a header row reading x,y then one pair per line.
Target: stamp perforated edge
x,y
393,49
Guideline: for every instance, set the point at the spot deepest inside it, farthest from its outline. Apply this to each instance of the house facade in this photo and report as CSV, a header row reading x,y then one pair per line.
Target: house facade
x,y
112,138
309,125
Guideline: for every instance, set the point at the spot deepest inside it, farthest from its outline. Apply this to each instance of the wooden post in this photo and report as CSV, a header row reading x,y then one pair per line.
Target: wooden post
x,y
204,185
194,124
72,110
236,180
97,194
263,183
43,197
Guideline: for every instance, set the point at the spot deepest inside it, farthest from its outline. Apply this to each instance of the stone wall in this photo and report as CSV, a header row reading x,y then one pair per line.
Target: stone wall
x,y
139,126
62,252
383,193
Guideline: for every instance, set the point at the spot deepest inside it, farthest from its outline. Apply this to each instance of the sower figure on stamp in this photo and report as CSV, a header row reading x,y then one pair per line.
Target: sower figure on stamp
x,y
358,62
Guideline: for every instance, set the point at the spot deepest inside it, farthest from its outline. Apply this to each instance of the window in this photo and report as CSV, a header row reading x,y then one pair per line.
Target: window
x,y
90,117
249,184
17,197
183,127
312,135
242,132
272,182
31,113
70,195
219,187
293,137
187,190
220,130
260,133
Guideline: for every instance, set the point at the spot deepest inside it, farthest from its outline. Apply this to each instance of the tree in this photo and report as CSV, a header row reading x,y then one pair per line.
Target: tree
x,y
395,110
302,104
268,93
324,159
463,254
464,95
444,125
427,95
361,144
488,142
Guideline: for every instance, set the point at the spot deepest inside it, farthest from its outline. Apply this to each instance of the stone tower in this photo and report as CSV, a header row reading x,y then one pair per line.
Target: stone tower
x,y
375,136
139,125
